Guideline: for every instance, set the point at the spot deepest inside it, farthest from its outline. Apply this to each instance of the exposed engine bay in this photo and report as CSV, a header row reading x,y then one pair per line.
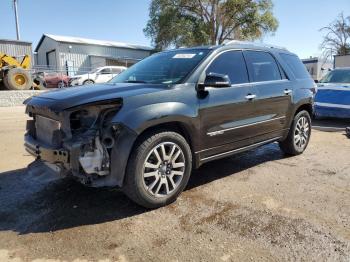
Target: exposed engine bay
x,y
77,141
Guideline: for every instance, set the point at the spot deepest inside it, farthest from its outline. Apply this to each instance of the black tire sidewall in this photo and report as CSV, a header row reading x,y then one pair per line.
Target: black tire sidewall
x,y
295,121
137,172
88,82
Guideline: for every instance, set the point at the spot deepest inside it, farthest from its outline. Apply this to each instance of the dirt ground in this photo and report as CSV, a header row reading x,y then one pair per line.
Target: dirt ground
x,y
259,205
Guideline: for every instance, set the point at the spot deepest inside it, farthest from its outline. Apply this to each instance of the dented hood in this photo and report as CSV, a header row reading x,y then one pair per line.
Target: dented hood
x,y
61,99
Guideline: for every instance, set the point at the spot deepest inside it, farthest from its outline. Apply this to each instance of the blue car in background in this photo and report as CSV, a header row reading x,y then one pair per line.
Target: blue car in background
x,y
333,95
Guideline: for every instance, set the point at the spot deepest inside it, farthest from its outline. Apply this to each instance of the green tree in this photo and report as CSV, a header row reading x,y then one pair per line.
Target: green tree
x,y
197,22
337,37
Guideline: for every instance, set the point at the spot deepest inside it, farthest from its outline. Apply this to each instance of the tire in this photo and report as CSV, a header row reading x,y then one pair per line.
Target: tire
x,y
18,79
299,135
61,84
88,82
39,84
154,181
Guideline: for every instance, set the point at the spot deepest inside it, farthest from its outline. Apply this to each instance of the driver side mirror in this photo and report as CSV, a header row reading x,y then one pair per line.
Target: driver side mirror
x,y
216,80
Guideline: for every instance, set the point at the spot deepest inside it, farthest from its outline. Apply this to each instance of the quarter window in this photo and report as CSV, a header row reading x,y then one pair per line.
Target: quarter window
x,y
296,66
231,64
262,66
116,70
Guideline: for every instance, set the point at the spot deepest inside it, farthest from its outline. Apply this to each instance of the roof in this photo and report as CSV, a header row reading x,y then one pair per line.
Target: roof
x,y
9,41
87,41
253,44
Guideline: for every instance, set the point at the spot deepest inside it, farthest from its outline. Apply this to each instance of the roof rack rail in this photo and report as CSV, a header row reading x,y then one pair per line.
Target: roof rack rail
x,y
238,42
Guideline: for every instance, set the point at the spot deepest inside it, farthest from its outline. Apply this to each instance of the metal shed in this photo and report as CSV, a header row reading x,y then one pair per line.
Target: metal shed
x,y
15,48
79,55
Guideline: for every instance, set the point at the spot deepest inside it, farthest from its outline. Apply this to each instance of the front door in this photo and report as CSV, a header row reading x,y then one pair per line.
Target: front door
x,y
226,114
104,75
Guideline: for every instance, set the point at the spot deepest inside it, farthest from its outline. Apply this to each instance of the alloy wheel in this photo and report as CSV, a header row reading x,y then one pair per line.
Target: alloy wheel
x,y
164,169
302,132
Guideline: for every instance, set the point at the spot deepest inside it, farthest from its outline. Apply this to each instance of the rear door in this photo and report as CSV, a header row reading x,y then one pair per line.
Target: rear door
x,y
273,95
226,113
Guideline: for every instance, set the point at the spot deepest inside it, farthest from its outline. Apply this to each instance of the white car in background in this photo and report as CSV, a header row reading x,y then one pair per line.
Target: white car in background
x,y
98,75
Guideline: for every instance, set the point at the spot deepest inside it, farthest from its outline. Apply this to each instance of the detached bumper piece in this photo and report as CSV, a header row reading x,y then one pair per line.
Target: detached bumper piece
x,y
45,153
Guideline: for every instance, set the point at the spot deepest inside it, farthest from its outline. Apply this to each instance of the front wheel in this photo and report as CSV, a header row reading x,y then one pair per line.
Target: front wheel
x,y
61,84
299,134
88,82
158,170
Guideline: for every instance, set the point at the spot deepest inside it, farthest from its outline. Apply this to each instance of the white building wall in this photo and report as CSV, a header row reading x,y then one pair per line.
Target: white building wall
x,y
84,56
342,61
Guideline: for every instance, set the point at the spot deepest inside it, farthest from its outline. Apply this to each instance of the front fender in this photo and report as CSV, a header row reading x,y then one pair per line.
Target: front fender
x,y
143,117
136,120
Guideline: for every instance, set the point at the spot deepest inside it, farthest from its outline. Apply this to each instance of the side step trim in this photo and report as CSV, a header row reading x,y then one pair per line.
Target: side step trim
x,y
238,150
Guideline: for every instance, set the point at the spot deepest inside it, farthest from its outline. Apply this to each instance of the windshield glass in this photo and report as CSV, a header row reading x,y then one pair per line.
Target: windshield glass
x,y
337,76
163,68
93,71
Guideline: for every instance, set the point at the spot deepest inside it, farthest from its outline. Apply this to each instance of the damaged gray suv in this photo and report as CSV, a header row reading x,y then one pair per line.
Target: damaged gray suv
x,y
147,128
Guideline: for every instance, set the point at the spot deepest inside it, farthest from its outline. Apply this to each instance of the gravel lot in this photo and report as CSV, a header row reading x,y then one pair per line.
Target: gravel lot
x,y
258,205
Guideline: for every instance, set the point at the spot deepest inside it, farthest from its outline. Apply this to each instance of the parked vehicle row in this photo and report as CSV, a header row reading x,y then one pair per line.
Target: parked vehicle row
x,y
60,80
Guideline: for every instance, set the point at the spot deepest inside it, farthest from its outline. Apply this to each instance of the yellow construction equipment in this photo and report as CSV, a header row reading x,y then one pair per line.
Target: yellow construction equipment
x,y
15,74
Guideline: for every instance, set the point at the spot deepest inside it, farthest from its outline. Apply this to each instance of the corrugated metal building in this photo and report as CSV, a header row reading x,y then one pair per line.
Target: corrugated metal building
x,y
15,48
81,55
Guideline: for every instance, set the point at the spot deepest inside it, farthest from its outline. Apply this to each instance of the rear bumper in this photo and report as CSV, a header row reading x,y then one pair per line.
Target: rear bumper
x,y
45,153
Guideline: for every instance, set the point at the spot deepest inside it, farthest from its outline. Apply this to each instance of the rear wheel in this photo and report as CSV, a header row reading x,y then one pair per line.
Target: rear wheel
x,y
299,134
18,79
158,170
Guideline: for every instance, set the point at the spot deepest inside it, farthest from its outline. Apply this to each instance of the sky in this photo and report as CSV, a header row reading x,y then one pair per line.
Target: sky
x,y
123,21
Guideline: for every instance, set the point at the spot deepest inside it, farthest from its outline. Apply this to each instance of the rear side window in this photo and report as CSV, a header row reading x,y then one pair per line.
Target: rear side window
x,y
262,66
116,70
230,63
297,67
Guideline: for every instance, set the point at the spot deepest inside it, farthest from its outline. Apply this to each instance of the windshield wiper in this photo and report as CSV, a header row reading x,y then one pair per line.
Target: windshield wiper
x,y
135,81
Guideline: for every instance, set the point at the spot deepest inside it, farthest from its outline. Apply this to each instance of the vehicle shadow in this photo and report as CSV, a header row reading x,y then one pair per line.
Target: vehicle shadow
x,y
33,203
330,124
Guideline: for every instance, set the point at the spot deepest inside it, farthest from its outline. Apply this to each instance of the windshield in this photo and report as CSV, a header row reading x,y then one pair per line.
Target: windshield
x,y
163,68
337,76
93,71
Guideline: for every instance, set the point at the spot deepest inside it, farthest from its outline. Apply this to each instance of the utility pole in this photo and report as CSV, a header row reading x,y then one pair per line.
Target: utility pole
x,y
16,17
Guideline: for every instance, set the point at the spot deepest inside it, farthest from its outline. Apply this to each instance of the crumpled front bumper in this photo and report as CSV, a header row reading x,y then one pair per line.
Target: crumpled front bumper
x,y
45,153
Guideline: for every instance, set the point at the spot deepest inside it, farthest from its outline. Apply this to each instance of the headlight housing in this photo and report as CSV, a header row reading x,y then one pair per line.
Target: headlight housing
x,y
93,116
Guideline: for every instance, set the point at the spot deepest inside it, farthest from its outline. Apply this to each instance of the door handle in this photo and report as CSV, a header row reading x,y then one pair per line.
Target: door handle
x,y
287,91
250,97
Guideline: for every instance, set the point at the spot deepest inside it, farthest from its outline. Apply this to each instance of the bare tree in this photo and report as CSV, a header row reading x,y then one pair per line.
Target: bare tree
x,y
337,38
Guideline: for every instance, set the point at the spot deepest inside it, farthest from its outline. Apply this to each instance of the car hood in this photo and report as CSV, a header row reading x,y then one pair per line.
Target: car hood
x,y
61,99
